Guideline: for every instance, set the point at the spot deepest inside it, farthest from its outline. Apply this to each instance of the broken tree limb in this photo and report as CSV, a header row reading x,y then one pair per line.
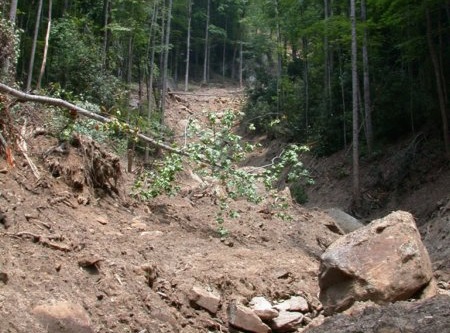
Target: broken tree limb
x,y
24,97
22,144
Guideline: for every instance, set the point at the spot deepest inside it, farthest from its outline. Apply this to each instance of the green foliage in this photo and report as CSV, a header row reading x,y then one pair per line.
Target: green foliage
x,y
153,183
77,65
214,153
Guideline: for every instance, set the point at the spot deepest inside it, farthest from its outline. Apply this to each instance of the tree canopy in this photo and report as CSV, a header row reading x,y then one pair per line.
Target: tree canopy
x,y
293,56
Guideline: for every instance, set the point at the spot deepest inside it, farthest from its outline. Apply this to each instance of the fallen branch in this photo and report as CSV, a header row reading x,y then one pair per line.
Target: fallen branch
x,y
23,148
24,97
43,240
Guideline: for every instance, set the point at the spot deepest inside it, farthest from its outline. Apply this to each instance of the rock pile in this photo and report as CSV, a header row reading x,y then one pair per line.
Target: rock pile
x,y
260,315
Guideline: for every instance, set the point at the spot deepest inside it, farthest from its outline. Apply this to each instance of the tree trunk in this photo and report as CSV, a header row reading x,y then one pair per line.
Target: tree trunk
x,y
306,83
439,88
366,83
166,61
106,5
279,55
161,53
47,37
327,72
13,11
188,47
33,47
241,65
130,64
233,68
224,50
205,60
9,72
150,98
344,111
356,185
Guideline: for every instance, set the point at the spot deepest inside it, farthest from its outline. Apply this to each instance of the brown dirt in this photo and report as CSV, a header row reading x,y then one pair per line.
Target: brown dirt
x,y
131,265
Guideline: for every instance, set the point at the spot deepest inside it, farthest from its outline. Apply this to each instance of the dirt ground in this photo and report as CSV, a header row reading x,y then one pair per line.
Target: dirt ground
x,y
131,265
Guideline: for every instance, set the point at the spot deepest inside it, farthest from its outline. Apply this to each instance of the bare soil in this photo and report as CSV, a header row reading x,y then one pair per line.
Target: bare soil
x,y
76,235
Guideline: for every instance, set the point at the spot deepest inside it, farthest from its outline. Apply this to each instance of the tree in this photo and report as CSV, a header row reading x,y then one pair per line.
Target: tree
x,y
47,36
188,46
366,82
205,60
356,186
13,11
106,10
33,47
439,85
166,62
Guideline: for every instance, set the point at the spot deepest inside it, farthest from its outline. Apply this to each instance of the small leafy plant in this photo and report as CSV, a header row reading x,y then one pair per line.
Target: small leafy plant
x,y
214,153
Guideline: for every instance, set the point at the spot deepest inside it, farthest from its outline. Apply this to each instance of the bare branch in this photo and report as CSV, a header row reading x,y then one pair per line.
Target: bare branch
x,y
24,97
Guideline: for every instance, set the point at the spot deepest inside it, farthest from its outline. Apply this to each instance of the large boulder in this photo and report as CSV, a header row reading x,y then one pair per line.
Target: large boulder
x,y
385,261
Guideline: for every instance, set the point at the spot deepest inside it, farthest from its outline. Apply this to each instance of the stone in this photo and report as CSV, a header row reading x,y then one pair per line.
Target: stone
x,y
384,261
63,317
295,303
263,308
245,318
345,222
102,220
286,321
205,299
152,234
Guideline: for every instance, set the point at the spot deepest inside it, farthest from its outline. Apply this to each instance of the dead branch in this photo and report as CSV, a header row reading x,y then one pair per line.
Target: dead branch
x,y
22,144
24,97
43,240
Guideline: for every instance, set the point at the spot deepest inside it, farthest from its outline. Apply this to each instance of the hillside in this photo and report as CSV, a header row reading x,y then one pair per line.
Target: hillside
x,y
132,265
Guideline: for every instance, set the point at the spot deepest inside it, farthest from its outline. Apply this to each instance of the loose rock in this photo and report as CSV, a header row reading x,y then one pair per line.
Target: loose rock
x,y
286,321
345,222
383,262
295,303
263,308
244,318
205,299
63,317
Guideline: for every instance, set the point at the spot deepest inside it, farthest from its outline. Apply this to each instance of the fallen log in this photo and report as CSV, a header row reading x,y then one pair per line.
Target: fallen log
x,y
24,97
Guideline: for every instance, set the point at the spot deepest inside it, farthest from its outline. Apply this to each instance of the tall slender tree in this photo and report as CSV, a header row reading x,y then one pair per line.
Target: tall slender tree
x,y
438,80
366,83
13,11
205,60
33,47
188,45
47,37
354,52
166,62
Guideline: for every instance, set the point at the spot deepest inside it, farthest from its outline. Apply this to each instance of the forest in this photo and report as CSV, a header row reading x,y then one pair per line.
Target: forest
x,y
327,74
225,166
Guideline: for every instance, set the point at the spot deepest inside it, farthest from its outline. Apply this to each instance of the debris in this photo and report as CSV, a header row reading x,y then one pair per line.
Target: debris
x,y
205,299
245,318
263,308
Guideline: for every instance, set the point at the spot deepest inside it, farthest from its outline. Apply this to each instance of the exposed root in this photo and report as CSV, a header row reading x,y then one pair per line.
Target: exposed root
x,y
84,163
